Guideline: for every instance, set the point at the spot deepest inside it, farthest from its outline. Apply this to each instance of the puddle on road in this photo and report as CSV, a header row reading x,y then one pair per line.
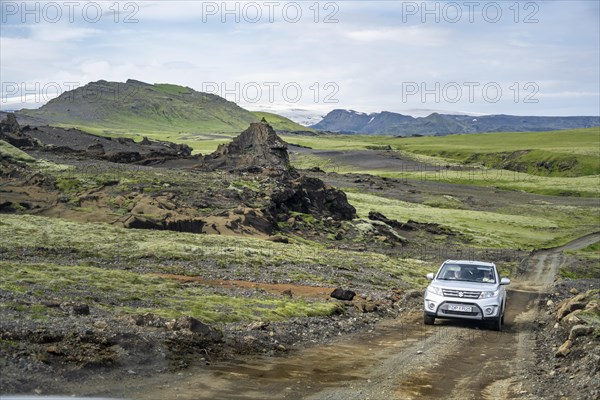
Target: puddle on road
x,y
350,363
294,376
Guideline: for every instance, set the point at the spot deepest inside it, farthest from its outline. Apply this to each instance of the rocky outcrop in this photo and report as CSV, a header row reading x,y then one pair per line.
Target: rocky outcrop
x,y
10,132
377,216
312,196
179,224
73,141
257,148
579,317
241,220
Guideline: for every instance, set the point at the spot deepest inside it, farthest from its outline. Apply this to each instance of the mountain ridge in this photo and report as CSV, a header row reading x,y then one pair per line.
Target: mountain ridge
x,y
436,124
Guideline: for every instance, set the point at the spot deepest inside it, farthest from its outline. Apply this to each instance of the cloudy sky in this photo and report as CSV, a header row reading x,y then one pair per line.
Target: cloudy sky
x,y
308,57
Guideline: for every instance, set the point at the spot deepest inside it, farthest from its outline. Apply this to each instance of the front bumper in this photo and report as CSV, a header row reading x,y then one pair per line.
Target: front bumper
x,y
480,309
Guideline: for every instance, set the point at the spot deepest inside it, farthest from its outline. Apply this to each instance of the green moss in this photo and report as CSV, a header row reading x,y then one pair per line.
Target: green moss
x,y
527,226
587,265
10,152
175,251
444,201
129,292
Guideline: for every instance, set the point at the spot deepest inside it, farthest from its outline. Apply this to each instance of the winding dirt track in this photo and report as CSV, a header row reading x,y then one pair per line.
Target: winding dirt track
x,y
403,359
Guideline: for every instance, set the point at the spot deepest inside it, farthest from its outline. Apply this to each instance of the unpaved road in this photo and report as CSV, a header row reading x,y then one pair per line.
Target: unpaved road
x,y
402,359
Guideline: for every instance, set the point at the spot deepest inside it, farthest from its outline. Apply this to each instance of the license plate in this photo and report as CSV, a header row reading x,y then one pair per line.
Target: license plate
x,y
460,308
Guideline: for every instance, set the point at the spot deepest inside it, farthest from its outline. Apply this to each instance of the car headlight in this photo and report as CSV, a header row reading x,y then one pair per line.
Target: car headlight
x,y
487,295
435,290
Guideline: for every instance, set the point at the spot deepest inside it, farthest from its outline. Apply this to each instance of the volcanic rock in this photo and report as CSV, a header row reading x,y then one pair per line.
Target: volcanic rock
x,y
342,294
179,224
377,216
10,132
256,148
194,326
312,196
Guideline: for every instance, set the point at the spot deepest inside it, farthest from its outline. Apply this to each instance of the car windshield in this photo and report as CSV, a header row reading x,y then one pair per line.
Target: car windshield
x,y
467,273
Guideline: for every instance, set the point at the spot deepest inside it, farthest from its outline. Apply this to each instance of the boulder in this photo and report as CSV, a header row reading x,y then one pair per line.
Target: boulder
x,y
75,308
147,319
342,294
580,330
240,220
564,349
367,307
258,325
568,306
194,326
571,320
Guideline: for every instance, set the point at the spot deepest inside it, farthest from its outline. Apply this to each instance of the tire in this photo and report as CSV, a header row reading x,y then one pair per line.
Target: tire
x,y
428,319
497,323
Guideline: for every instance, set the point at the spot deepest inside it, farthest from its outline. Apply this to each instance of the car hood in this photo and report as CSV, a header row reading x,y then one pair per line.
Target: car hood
x,y
472,286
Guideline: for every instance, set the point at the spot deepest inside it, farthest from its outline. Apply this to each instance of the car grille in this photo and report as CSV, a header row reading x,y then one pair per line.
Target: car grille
x,y
473,313
457,293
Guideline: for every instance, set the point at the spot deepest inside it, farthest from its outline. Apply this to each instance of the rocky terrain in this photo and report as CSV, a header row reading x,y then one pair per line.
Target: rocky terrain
x,y
77,143
247,188
139,264
567,338
258,150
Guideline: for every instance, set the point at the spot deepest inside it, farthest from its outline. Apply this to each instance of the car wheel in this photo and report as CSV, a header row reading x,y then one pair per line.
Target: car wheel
x,y
497,323
428,319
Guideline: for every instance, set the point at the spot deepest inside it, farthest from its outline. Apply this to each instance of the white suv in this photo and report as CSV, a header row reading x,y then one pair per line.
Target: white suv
x,y
466,290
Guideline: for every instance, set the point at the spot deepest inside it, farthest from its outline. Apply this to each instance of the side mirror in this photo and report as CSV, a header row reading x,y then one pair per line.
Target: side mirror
x,y
429,276
505,281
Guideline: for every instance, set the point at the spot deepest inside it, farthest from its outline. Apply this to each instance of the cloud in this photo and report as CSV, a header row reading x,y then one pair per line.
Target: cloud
x,y
368,54
61,33
419,35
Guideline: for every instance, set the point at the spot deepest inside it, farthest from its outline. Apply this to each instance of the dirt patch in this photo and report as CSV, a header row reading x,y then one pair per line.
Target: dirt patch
x,y
290,290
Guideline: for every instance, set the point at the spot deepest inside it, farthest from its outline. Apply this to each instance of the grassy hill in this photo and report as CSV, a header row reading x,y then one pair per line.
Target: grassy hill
x,y
139,106
136,108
